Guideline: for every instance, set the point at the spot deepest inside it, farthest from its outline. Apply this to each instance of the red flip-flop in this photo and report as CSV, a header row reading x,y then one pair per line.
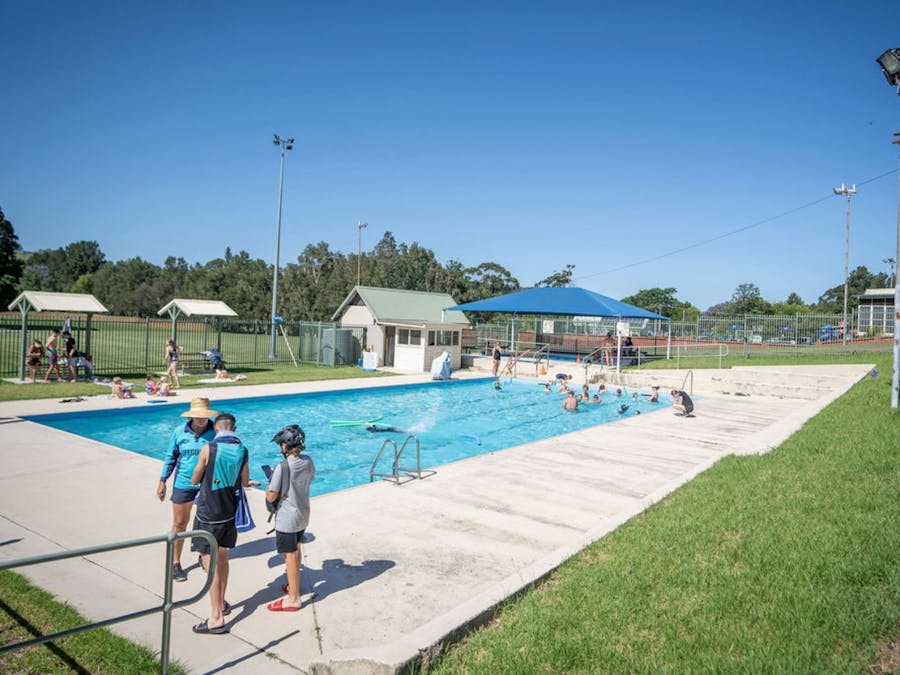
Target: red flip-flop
x,y
277,606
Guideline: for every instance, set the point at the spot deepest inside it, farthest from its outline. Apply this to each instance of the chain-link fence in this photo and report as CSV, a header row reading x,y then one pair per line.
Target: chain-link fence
x,y
128,345
744,333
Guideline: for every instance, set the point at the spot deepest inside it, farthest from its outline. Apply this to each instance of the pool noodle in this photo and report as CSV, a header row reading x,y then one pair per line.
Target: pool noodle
x,y
353,423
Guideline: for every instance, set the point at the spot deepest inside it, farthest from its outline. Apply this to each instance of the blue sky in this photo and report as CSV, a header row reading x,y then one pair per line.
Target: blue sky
x,y
531,134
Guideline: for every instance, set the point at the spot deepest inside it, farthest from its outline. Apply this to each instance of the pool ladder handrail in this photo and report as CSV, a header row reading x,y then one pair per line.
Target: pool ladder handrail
x,y
688,374
400,474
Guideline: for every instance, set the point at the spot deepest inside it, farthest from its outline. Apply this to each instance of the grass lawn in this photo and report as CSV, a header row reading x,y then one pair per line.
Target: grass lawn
x,y
26,612
259,375
786,562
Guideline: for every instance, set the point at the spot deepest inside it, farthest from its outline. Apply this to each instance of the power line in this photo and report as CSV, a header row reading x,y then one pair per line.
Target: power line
x,y
704,242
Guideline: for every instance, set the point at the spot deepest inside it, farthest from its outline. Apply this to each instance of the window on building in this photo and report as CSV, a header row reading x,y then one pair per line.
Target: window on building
x,y
441,338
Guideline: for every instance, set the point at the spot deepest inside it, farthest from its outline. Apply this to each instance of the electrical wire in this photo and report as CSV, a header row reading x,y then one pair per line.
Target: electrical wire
x,y
731,233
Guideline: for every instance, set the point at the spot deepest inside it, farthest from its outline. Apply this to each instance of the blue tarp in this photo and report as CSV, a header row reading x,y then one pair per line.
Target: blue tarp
x,y
569,301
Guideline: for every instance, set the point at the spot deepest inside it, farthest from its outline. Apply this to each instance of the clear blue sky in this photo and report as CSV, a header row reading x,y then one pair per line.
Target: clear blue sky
x,y
531,134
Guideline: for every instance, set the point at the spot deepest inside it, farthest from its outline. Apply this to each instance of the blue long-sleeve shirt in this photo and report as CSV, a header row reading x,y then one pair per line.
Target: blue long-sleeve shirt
x,y
181,455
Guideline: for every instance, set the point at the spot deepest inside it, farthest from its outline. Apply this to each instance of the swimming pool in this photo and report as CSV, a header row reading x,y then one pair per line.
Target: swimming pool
x,y
453,420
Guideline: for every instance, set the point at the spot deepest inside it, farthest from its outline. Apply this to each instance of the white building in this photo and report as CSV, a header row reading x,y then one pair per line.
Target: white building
x,y
407,329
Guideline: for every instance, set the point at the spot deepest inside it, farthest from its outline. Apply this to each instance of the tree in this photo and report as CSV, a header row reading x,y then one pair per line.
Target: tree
x,y
10,265
490,279
747,299
859,280
558,279
58,269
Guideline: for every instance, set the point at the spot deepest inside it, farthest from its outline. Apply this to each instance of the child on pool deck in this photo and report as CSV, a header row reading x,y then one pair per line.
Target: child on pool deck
x,y
151,387
120,390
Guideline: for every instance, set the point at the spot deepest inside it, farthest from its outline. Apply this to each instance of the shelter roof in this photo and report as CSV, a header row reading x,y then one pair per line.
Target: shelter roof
x,y
45,301
391,305
873,293
197,307
569,301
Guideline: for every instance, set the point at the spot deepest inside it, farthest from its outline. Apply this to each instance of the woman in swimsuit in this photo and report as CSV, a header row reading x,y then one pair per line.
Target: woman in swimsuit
x,y
172,360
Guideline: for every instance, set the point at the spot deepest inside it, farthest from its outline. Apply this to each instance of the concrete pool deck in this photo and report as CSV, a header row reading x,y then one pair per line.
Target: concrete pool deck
x,y
390,573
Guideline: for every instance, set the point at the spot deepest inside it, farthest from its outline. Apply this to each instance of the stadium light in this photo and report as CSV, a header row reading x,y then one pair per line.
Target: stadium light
x,y
284,144
848,192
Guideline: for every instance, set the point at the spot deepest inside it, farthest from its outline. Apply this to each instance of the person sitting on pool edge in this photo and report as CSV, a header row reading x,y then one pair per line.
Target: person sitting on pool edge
x,y
682,403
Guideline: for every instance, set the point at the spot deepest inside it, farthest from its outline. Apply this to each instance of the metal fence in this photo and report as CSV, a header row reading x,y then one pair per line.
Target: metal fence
x,y
745,333
120,344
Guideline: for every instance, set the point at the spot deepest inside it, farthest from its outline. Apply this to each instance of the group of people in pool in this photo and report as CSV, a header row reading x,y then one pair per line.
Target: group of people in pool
x,y
210,467
681,400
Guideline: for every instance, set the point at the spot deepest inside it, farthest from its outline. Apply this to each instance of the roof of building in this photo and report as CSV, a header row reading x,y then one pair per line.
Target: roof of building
x,y
45,301
394,306
197,307
873,293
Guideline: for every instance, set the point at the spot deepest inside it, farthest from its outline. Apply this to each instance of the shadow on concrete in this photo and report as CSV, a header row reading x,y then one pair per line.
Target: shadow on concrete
x,y
259,651
335,576
11,541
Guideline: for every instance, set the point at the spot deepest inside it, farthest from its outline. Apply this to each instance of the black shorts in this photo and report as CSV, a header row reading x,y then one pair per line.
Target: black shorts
x,y
225,534
182,496
286,542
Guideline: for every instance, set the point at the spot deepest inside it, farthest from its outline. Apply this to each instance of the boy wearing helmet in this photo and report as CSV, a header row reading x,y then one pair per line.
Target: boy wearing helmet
x,y
289,490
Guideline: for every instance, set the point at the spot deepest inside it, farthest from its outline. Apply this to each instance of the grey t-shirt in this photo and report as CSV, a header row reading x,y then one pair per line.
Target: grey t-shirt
x,y
293,511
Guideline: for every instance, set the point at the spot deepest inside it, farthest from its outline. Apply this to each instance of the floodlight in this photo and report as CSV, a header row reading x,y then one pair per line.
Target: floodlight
x,y
890,66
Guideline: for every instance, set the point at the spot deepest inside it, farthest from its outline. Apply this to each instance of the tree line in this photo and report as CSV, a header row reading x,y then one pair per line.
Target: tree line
x,y
312,287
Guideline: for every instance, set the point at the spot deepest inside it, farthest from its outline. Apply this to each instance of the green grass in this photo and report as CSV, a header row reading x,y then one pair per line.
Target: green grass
x,y
786,562
27,612
272,375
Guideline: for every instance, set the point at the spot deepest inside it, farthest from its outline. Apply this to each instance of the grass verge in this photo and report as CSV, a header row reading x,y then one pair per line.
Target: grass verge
x,y
274,375
785,562
26,612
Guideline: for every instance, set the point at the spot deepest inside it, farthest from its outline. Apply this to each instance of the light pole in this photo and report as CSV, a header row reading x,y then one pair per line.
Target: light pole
x,y
847,192
890,66
284,144
891,262
359,225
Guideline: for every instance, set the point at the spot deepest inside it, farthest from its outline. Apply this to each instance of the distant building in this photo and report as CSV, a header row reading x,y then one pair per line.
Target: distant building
x,y
407,329
876,312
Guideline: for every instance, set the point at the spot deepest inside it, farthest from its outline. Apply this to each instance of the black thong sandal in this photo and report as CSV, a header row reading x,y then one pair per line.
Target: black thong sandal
x,y
204,629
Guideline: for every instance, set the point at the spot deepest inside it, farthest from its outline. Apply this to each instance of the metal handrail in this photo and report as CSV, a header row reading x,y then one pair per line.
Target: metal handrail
x,y
396,469
418,468
372,474
166,608
540,355
688,374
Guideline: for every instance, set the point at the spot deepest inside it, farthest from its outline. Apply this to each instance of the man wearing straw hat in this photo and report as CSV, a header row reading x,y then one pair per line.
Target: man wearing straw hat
x,y
181,459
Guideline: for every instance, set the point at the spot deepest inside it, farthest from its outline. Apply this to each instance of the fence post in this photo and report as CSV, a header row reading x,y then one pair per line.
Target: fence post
x,y
167,606
147,344
255,338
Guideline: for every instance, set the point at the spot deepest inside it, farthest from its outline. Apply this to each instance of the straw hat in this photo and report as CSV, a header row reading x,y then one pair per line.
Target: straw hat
x,y
199,408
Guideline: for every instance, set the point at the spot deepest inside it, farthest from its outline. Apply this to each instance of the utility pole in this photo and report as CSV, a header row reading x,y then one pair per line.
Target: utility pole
x,y
847,192
284,144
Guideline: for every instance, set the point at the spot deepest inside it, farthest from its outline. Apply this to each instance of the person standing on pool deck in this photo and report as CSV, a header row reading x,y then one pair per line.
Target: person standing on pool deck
x,y
52,355
172,360
292,515
496,357
682,402
181,459
221,467
71,352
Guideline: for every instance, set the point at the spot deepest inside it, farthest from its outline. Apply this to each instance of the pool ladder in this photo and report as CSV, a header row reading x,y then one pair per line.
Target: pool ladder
x,y
399,474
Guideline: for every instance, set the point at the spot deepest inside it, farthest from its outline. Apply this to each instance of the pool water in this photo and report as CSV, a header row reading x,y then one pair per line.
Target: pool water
x,y
452,420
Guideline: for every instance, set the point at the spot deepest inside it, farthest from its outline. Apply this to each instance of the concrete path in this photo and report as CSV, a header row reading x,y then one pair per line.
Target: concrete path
x,y
390,573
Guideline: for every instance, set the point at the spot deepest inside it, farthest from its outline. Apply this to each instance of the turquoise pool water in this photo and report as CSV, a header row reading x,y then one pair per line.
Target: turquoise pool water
x,y
452,420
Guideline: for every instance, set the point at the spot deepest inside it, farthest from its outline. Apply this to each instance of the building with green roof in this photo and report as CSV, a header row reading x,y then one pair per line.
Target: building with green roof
x,y
406,329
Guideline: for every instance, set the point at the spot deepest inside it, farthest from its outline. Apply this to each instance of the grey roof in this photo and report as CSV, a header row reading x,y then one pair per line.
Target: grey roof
x,y
390,305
